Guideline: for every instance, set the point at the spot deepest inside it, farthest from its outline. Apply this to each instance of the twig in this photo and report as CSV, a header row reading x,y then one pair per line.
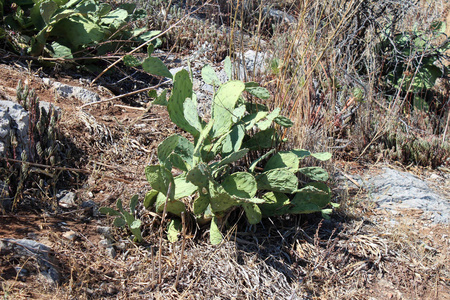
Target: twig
x,y
125,95
63,169
161,232
183,245
147,42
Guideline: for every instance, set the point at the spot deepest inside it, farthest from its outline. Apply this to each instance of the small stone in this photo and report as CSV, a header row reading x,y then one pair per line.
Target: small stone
x,y
105,231
110,252
105,243
70,235
66,199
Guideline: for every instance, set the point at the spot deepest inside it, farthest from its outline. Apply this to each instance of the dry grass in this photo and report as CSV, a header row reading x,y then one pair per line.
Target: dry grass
x,y
359,254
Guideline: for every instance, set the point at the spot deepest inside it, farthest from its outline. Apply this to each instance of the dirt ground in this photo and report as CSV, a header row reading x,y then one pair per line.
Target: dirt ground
x,y
358,254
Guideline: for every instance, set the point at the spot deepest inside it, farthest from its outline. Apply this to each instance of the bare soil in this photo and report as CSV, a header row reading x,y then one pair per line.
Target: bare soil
x,y
358,254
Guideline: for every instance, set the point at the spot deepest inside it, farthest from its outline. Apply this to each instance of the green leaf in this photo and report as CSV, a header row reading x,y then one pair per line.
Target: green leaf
x,y
175,207
261,140
173,230
47,9
136,224
200,175
228,67
79,31
150,198
155,66
109,211
315,173
257,91
223,106
215,236
159,179
150,49
61,51
276,204
176,150
115,18
161,99
252,119
278,180
200,141
323,156
190,112
311,198
148,36
283,159
209,76
221,200
235,156
302,153
133,203
119,222
201,203
233,141
283,121
119,205
261,158
182,89
253,213
238,113
131,61
264,124
183,188
240,184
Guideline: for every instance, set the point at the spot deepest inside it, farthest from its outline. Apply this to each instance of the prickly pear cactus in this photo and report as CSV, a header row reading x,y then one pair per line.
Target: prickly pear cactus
x,y
211,184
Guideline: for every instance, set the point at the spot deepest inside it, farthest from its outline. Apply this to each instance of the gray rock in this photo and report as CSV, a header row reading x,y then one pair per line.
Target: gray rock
x,y
70,235
105,231
393,190
66,199
279,16
33,250
13,118
253,62
68,91
91,207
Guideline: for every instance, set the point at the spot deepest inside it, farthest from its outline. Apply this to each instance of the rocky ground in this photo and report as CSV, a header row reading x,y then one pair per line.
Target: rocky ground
x,y
388,240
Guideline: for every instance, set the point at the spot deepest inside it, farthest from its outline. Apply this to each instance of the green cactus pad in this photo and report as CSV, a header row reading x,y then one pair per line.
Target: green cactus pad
x,y
235,156
283,159
221,200
177,151
233,140
183,188
201,203
150,198
223,106
240,184
155,66
182,89
215,236
160,178
276,204
252,212
315,173
209,76
278,180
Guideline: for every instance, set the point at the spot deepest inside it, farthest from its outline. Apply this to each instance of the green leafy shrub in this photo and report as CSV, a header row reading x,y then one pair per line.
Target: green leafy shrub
x,y
61,28
412,60
124,217
215,174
